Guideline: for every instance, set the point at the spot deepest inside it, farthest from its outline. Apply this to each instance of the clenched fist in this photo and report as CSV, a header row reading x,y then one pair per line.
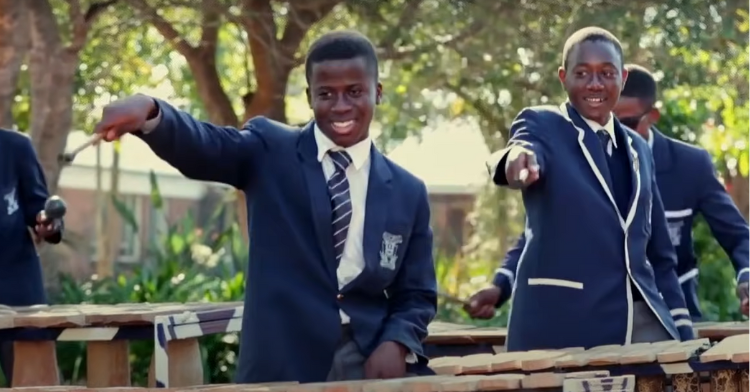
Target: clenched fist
x,y
124,116
521,168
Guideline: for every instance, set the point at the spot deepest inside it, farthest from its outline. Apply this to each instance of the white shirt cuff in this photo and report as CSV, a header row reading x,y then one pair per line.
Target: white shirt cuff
x,y
742,271
151,124
411,358
493,162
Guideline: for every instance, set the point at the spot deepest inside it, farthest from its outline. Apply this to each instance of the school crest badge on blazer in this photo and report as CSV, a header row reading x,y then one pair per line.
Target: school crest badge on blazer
x,y
11,201
389,250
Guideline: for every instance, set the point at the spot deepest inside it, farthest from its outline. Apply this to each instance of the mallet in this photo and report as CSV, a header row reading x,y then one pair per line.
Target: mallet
x,y
54,208
68,157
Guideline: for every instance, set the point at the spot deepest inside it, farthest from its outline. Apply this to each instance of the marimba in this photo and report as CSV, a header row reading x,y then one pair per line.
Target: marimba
x,y
107,330
637,367
650,363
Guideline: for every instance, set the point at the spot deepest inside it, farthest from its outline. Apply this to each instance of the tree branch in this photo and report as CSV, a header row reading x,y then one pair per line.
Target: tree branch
x,y
97,9
211,21
164,28
302,16
258,22
407,17
483,109
82,21
388,48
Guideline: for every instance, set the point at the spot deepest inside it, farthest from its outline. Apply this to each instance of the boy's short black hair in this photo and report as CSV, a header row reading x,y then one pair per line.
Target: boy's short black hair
x,y
341,45
589,34
640,84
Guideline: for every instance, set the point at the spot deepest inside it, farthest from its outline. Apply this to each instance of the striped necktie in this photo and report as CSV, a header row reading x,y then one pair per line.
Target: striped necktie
x,y
606,141
341,206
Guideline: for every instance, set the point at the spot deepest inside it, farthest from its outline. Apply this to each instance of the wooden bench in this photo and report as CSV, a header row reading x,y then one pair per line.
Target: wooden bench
x,y
107,330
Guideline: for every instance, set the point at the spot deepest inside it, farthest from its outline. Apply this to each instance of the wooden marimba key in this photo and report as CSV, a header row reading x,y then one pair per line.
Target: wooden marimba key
x,y
651,364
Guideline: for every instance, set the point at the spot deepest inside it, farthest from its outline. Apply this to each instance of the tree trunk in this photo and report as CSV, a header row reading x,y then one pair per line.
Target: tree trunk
x,y
739,188
14,41
52,70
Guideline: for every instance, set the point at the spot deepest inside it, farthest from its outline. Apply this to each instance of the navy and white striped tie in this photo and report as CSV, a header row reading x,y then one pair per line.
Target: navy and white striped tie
x,y
341,205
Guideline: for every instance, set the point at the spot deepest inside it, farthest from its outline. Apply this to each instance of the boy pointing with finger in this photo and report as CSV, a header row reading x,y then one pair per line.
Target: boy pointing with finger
x,y
598,267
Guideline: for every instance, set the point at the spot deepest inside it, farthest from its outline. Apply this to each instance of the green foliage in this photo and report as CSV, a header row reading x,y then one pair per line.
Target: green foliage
x,y
188,264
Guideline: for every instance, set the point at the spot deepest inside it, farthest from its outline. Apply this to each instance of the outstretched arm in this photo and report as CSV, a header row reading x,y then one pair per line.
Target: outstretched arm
x,y
203,151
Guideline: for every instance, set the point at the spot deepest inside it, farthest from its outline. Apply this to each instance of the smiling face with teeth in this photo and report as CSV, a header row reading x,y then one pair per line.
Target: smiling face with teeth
x,y
343,95
593,79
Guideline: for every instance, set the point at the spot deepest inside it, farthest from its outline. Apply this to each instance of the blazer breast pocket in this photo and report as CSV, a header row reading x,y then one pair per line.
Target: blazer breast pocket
x,y
393,244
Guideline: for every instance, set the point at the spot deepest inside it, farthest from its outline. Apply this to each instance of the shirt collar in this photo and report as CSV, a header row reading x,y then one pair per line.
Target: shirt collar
x,y
609,127
359,152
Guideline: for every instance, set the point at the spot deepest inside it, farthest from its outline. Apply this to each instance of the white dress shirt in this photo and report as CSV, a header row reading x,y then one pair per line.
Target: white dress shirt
x,y
651,138
358,174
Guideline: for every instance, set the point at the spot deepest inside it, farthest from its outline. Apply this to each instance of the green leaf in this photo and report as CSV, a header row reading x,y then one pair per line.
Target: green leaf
x,y
156,199
125,212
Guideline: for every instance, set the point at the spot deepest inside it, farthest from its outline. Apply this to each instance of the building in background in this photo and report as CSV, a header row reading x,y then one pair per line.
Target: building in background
x,y
449,159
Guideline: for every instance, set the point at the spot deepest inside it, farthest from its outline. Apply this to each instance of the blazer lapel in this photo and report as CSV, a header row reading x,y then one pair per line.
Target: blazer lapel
x,y
635,180
635,174
593,152
376,209
320,203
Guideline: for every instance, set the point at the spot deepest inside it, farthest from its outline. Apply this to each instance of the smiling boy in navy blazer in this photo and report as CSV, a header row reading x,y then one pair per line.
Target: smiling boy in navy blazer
x,y
688,185
597,267
341,282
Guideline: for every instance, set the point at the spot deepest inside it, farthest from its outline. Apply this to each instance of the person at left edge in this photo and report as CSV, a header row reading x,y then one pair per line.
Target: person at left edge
x,y
341,282
24,191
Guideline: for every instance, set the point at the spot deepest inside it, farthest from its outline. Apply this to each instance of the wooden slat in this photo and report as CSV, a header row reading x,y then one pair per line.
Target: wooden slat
x,y
728,349
682,351
89,315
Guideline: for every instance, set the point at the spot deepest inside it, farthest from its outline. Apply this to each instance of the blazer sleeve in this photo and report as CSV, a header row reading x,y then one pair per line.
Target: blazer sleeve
x,y
32,185
505,275
662,256
413,294
525,133
207,152
724,219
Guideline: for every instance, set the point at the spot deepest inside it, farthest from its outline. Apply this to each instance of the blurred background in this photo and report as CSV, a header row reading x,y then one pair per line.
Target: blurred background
x,y
455,73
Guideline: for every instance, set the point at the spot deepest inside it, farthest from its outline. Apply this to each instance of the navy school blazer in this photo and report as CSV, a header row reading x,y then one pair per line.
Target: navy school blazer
x,y
291,324
687,182
24,191
581,254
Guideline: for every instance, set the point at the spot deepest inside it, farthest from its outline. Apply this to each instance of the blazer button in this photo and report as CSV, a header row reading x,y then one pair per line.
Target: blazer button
x,y
339,297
